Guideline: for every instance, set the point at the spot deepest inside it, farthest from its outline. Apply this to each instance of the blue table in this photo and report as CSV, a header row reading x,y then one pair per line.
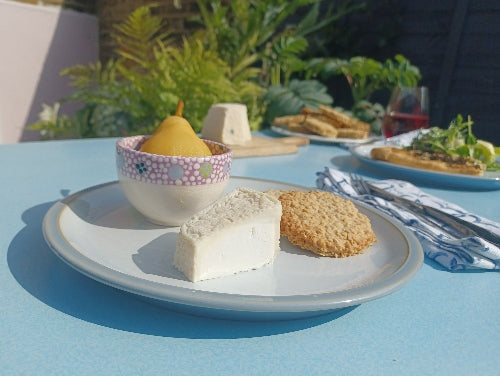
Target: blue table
x,y
56,321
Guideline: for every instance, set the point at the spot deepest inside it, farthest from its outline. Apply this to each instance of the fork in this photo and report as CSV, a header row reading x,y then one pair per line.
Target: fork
x,y
428,214
359,184
362,187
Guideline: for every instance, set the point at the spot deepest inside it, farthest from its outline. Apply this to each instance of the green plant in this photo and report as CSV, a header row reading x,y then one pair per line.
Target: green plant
x,y
262,40
252,52
292,98
261,34
133,93
365,77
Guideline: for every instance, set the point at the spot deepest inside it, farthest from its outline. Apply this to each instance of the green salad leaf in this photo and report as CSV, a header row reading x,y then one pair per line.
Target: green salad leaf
x,y
457,140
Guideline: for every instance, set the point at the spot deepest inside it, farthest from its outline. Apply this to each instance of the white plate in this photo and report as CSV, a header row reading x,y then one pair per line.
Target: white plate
x,y
490,180
99,234
318,138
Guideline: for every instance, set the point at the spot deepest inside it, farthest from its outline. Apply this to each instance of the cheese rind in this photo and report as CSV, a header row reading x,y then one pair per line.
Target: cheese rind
x,y
238,233
227,123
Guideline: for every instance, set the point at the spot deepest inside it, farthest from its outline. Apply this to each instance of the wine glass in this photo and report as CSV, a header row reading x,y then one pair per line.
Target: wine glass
x,y
408,110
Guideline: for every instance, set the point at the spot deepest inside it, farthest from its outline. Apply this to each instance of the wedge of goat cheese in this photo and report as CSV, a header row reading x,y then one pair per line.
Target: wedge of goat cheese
x,y
227,123
237,233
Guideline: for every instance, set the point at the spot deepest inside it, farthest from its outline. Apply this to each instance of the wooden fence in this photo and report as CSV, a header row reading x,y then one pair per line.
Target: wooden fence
x,y
456,45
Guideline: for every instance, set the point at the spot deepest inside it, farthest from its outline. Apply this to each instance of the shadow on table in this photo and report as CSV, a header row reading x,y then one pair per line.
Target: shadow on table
x,y
40,272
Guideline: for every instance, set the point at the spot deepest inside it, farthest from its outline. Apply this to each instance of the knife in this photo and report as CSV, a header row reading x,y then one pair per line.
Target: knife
x,y
463,227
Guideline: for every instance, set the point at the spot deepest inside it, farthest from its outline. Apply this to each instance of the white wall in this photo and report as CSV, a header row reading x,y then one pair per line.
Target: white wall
x,y
36,43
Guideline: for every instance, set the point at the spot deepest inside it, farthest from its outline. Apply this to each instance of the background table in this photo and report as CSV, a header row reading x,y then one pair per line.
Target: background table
x,y
55,321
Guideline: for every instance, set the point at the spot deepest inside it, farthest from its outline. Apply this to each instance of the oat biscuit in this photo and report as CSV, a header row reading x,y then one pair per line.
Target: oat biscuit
x,y
324,223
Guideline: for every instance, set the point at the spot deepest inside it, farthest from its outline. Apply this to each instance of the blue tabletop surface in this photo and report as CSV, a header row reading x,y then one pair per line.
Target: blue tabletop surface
x,y
56,321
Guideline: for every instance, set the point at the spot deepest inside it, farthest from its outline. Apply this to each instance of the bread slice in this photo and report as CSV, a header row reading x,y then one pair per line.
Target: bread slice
x,y
428,161
239,232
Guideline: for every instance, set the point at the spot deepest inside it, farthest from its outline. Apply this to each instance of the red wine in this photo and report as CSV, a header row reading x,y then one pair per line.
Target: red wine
x,y
396,123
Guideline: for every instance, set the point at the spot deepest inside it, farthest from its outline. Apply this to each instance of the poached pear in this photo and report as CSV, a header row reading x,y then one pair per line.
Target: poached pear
x,y
176,137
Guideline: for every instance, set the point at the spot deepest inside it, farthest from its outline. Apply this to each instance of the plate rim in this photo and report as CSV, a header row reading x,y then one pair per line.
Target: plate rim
x,y
254,304
485,182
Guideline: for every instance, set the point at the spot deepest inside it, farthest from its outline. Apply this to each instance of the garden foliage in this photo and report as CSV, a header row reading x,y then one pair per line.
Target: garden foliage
x,y
251,52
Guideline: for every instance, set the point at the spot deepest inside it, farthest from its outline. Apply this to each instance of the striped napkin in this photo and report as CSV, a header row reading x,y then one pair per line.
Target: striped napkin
x,y
451,252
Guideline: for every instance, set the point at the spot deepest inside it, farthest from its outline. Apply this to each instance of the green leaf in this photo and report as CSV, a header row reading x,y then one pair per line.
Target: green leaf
x,y
299,94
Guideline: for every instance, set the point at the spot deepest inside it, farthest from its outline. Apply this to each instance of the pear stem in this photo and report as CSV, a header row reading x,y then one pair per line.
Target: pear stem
x,y
180,107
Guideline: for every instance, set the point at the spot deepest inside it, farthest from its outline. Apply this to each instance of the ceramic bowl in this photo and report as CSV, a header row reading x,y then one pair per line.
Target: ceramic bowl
x,y
168,190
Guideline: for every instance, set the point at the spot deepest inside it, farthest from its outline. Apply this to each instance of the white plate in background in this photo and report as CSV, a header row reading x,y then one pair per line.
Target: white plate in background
x,y
318,138
489,181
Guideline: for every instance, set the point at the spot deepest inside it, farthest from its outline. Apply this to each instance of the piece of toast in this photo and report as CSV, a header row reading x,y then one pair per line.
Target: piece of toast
x,y
427,161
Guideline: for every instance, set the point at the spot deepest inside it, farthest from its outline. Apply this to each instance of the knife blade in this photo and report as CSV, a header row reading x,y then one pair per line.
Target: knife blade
x,y
463,227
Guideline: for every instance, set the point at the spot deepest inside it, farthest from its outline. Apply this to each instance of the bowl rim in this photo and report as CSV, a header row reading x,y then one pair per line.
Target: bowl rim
x,y
119,144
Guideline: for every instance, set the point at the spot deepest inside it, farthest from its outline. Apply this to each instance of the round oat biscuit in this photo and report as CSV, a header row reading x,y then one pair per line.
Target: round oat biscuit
x,y
325,224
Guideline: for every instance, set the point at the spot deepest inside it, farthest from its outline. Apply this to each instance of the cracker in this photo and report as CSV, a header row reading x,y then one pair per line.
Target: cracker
x,y
294,123
326,122
307,111
320,127
352,133
341,120
299,128
289,119
324,223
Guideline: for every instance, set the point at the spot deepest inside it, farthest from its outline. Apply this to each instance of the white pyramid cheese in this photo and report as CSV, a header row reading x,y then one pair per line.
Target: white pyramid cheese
x,y
227,123
239,232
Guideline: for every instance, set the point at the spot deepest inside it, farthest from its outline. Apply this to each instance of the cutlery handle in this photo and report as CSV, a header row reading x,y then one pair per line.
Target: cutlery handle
x,y
465,227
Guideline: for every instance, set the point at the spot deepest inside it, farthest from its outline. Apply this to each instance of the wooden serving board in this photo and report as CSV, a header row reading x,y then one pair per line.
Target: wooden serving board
x,y
261,146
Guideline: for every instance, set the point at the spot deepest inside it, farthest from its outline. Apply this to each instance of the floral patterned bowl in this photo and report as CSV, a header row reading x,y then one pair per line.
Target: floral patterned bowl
x,y
168,190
